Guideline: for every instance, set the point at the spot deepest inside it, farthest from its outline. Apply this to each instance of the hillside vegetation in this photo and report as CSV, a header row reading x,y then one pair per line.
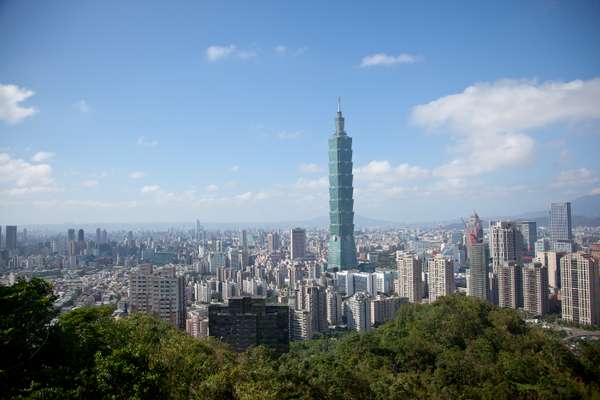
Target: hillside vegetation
x,y
456,348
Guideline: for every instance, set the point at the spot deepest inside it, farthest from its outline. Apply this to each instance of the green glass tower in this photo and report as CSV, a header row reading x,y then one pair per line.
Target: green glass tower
x,y
342,249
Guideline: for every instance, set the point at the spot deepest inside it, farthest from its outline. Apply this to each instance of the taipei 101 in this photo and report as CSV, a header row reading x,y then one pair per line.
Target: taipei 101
x,y
276,200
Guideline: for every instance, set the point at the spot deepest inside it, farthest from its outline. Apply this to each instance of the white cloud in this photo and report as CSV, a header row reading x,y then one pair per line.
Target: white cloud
x,y
385,59
309,168
217,53
320,183
144,142
150,189
90,183
595,191
212,188
42,156
383,171
234,168
137,175
83,106
288,135
283,50
575,177
11,97
489,120
20,177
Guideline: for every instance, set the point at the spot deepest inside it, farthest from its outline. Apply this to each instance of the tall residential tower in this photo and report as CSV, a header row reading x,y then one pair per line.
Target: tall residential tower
x,y
342,249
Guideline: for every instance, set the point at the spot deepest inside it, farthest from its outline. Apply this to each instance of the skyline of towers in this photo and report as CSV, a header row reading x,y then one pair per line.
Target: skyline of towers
x,y
342,247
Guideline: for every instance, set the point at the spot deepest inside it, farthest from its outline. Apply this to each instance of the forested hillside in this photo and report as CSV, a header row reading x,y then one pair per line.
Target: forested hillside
x,y
458,347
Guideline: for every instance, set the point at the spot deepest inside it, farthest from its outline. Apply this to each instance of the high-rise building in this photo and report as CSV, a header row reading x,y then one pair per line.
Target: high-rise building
x,y
410,282
244,239
504,243
273,242
528,235
441,277
580,288
246,321
478,282
358,312
510,285
300,325
384,309
551,260
535,289
334,306
11,237
98,236
80,236
560,225
314,300
298,243
71,234
158,292
342,248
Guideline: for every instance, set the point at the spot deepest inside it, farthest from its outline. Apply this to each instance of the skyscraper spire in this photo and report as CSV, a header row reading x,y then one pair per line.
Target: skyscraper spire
x,y
339,120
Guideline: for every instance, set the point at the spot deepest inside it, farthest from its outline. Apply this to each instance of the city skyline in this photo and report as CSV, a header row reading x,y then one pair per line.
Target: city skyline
x,y
104,118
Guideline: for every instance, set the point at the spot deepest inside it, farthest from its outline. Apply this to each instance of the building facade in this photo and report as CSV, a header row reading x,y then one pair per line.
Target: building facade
x,y
510,285
580,289
297,243
441,277
560,226
410,283
535,289
246,321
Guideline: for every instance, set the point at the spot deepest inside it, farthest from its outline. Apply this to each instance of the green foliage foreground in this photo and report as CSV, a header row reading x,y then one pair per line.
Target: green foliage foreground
x,y
457,348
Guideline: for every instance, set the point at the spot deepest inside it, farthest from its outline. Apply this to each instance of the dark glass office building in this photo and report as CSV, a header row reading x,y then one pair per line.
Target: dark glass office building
x,y
248,321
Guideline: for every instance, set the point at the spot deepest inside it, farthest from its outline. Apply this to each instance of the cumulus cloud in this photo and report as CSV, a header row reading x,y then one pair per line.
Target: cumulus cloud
x,y
144,142
11,109
309,168
216,53
20,177
379,59
212,188
137,175
490,120
42,156
234,168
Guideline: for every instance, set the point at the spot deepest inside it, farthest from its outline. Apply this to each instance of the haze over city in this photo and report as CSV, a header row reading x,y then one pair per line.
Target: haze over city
x,y
137,112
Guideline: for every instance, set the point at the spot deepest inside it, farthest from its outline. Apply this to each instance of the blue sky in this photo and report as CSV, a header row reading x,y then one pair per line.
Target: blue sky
x,y
132,111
